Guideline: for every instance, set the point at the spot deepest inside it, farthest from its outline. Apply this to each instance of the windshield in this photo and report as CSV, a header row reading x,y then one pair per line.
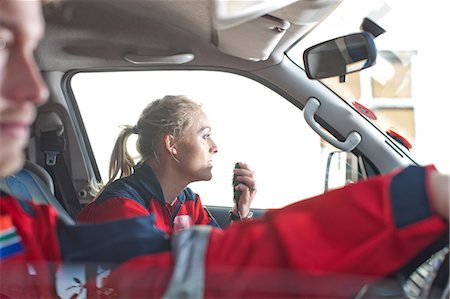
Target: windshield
x,y
404,94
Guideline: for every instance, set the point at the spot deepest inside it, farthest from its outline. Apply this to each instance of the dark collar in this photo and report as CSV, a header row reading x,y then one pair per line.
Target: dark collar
x,y
145,175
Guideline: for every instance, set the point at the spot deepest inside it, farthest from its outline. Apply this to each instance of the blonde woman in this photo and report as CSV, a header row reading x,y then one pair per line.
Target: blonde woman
x,y
174,141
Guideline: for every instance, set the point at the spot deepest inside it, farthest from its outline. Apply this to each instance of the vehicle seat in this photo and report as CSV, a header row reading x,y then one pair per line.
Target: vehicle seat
x,y
34,183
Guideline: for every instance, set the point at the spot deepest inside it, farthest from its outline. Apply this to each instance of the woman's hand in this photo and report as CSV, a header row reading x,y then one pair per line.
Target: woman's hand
x,y
246,178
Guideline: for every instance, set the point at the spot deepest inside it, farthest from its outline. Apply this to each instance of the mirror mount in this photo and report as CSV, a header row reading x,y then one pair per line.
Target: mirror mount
x,y
370,26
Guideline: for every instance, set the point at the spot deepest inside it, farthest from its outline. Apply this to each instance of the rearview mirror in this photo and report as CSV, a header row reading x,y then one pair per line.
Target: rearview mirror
x,y
340,56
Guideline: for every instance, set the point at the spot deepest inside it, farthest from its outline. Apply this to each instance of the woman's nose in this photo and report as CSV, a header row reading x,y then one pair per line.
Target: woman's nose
x,y
213,148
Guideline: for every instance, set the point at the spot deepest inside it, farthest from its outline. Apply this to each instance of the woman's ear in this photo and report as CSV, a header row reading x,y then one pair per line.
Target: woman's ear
x,y
169,144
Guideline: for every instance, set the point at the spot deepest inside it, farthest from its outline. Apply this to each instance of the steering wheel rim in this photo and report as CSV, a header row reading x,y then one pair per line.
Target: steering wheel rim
x,y
430,268
430,280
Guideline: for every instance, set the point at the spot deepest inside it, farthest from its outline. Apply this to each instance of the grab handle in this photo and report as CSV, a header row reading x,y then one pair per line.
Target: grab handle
x,y
353,139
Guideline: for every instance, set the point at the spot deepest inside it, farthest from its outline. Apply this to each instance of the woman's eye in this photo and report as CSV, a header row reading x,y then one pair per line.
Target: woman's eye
x,y
206,136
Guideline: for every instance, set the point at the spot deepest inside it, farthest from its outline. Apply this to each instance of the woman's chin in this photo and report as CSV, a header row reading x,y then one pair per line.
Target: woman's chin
x,y
204,176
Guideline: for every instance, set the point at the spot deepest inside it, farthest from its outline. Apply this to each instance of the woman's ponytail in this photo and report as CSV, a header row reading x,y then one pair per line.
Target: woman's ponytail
x,y
121,163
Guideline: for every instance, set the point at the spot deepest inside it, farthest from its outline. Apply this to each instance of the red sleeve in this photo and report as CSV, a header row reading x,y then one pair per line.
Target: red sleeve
x,y
200,214
141,277
111,209
330,245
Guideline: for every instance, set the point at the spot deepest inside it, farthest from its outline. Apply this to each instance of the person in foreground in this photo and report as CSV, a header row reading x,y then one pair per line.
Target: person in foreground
x,y
308,249
175,144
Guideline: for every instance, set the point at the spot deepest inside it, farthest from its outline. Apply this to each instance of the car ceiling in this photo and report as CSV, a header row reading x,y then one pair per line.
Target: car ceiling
x,y
97,34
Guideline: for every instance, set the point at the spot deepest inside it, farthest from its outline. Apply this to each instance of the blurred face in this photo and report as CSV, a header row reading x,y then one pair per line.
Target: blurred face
x,y
195,150
21,84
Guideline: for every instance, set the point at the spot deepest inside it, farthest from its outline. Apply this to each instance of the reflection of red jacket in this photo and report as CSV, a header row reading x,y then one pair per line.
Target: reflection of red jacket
x,y
324,247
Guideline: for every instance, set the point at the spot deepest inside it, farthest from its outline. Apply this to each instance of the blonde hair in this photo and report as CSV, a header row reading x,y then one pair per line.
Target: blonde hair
x,y
169,115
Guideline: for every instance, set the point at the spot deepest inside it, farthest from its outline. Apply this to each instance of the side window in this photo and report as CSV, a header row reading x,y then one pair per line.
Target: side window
x,y
250,123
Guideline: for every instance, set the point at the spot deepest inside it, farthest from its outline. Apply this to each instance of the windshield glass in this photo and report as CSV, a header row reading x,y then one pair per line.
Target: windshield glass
x,y
406,89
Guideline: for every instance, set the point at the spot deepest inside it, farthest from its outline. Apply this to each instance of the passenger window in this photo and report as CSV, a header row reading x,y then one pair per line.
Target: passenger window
x,y
250,123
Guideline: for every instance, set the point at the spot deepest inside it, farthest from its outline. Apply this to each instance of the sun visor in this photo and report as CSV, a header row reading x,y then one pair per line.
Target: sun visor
x,y
253,40
231,13
251,30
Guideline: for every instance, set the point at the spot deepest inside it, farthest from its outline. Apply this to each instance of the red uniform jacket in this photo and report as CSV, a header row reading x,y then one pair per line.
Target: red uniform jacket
x,y
29,249
313,248
33,242
140,194
324,247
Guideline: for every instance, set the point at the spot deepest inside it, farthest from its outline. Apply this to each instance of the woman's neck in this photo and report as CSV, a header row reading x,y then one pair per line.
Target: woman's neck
x,y
169,181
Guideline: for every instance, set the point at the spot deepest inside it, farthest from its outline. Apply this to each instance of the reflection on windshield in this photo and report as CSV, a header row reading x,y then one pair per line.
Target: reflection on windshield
x,y
399,89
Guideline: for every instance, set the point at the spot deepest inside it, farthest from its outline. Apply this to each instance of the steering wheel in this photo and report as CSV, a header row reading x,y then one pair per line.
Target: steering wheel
x,y
430,280
425,276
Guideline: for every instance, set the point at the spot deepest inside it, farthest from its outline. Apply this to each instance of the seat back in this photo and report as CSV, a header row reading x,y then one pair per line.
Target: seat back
x,y
34,183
